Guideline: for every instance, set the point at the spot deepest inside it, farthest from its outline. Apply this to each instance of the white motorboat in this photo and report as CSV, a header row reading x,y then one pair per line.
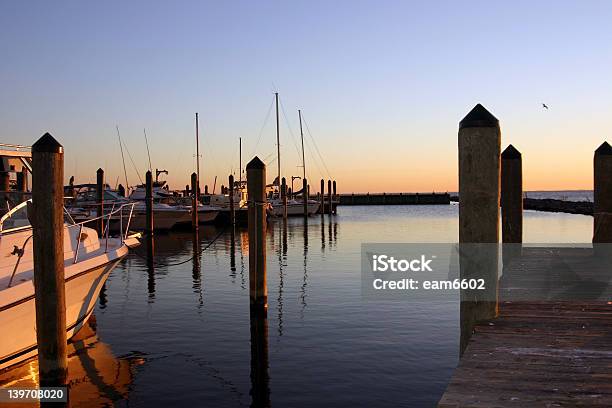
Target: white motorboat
x,y
294,207
88,261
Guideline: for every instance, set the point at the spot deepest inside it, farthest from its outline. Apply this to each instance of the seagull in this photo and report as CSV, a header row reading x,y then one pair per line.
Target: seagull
x,y
544,106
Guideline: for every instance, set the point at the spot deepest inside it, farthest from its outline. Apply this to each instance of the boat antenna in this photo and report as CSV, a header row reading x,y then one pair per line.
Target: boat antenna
x,y
278,162
148,153
127,185
302,136
197,153
240,161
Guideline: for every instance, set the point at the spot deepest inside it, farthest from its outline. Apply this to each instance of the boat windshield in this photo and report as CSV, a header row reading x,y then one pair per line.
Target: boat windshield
x,y
15,219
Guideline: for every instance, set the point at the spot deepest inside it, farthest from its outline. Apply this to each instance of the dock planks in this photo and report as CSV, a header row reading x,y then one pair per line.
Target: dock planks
x,y
546,353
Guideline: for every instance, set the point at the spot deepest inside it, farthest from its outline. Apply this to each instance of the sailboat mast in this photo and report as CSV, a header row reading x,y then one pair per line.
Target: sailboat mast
x,y
148,153
278,162
302,136
197,153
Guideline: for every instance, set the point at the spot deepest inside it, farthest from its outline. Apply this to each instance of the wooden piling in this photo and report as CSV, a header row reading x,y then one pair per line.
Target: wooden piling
x,y
49,284
479,190
329,196
512,196
20,181
149,226
100,201
24,177
231,200
334,195
256,187
602,194
305,196
283,193
5,179
206,189
194,202
322,197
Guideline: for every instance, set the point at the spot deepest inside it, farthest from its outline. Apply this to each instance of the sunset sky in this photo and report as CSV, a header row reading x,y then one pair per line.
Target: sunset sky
x,y
382,85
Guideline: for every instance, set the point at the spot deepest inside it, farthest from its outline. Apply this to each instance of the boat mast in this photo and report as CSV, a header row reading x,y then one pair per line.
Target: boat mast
x,y
302,136
127,185
197,154
148,153
240,161
278,162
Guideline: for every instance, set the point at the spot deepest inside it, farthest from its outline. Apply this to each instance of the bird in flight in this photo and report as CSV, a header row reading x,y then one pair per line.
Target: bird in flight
x,y
544,106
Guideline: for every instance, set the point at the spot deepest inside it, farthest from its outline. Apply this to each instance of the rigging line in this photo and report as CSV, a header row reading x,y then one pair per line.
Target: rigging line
x,y
311,155
133,165
263,127
127,184
297,149
315,145
148,153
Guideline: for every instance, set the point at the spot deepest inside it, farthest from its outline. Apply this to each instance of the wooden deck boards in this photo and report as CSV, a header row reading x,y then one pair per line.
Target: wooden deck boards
x,y
538,353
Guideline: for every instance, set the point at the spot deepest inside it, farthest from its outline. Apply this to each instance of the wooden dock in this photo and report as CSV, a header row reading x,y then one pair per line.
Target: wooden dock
x,y
552,352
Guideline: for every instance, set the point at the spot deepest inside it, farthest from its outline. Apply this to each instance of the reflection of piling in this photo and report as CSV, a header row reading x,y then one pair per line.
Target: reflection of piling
x,y
49,285
511,202
322,198
231,200
329,196
149,203
150,265
194,201
283,193
233,249
260,390
479,178
305,197
256,187
100,201
602,194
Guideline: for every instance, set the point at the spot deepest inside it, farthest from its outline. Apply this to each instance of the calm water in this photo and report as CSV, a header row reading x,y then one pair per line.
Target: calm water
x,y
180,335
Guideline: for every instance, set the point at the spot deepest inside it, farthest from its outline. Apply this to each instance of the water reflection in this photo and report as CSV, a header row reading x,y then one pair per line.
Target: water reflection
x,y
96,378
196,268
150,242
260,379
305,264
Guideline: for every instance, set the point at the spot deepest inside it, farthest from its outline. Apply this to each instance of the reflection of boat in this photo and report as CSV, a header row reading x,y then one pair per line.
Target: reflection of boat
x,y
88,262
95,376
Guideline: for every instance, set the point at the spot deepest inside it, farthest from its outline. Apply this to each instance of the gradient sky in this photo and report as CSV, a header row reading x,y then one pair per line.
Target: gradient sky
x,y
382,85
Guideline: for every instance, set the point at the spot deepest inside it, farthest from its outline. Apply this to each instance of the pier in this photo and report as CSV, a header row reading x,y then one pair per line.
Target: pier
x,y
393,199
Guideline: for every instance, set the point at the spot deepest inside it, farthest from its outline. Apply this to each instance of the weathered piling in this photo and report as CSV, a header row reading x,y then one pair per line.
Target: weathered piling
x,y
49,284
305,196
24,178
283,194
149,226
329,196
511,198
206,189
322,197
231,200
100,201
334,209
256,187
194,201
602,194
479,189
21,181
5,179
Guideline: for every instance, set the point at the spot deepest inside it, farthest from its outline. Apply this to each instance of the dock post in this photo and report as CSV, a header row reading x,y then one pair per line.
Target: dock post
x,y
20,184
322,197
283,194
206,189
194,202
329,196
305,196
256,188
49,284
511,202
602,194
149,204
231,200
100,200
334,209
5,179
479,189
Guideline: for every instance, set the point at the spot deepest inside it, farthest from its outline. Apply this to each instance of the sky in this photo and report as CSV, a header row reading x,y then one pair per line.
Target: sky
x,y
382,86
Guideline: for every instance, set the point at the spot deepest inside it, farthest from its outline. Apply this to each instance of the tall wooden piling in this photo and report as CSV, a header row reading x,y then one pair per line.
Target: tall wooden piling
x,y
49,284
602,194
479,190
512,196
283,193
231,200
305,196
100,201
194,202
149,204
329,196
334,195
256,187
322,197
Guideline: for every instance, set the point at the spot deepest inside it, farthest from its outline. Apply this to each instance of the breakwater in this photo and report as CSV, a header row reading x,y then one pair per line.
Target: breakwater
x,y
394,199
554,205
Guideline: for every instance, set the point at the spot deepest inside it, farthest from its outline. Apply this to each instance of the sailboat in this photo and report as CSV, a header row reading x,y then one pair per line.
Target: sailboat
x,y
294,207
